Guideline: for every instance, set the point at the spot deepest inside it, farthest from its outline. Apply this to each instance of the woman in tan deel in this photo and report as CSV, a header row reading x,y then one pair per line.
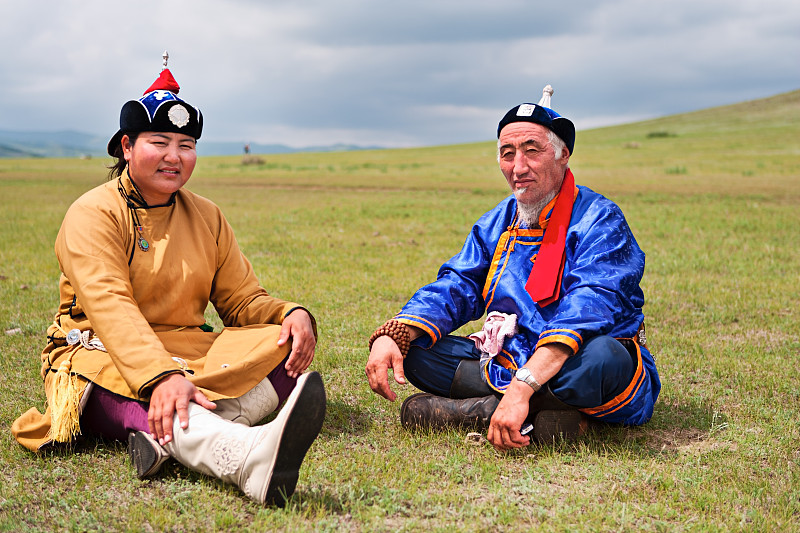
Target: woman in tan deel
x,y
129,355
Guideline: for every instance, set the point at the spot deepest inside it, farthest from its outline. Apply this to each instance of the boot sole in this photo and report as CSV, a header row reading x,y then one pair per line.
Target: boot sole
x,y
145,459
550,425
302,426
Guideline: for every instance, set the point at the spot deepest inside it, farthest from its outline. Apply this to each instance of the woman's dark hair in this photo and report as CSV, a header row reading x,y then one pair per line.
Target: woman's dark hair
x,y
118,167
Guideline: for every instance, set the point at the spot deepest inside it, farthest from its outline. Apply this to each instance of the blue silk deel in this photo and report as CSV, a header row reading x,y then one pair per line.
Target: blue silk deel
x,y
600,293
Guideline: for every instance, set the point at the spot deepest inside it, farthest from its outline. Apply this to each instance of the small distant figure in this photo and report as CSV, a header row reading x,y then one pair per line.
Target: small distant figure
x,y
248,159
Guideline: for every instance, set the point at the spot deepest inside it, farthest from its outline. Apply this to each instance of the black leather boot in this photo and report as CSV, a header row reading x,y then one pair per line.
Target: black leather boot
x,y
425,410
470,404
467,381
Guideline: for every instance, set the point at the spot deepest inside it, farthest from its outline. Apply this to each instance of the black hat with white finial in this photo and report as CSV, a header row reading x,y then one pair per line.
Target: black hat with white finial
x,y
542,114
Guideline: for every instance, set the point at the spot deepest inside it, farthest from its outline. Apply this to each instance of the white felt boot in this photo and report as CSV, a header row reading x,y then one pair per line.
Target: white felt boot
x,y
263,461
251,407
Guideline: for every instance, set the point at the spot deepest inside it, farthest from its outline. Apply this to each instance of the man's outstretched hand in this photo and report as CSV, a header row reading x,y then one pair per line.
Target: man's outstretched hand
x,y
385,355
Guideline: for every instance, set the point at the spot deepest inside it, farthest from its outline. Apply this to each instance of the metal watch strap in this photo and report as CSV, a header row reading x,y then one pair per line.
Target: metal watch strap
x,y
524,375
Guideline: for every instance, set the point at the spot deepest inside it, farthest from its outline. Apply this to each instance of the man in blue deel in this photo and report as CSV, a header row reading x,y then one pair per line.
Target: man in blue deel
x,y
556,270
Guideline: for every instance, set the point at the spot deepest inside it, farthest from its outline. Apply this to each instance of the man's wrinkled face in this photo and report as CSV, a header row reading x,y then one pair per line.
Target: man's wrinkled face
x,y
529,164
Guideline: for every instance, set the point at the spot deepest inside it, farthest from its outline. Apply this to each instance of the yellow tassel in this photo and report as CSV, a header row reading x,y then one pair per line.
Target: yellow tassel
x,y
65,405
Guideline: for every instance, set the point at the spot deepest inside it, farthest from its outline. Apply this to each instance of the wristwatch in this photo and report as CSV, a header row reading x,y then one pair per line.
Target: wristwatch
x,y
524,375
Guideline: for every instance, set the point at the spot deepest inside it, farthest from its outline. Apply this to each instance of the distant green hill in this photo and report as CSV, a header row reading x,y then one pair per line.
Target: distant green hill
x,y
66,143
23,144
698,151
758,140
735,136
776,118
10,151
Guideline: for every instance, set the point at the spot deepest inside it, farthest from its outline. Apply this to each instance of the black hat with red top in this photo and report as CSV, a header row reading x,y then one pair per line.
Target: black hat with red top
x,y
159,109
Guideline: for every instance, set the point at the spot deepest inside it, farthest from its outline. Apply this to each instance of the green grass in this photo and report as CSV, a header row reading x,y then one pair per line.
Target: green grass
x,y
714,200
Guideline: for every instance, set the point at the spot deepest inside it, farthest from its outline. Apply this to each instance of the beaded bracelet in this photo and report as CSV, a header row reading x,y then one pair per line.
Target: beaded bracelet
x,y
397,331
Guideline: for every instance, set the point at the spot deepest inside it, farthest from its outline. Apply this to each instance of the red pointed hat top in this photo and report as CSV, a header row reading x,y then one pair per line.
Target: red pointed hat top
x,y
165,81
160,109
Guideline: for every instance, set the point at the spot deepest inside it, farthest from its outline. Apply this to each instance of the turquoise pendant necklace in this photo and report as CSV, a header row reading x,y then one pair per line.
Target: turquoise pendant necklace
x,y
141,241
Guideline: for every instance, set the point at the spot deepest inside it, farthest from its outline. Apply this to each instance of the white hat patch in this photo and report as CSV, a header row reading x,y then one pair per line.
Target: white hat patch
x,y
178,115
525,110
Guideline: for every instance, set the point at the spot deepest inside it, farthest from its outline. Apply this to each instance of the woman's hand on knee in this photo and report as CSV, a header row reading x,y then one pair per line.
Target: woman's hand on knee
x,y
170,395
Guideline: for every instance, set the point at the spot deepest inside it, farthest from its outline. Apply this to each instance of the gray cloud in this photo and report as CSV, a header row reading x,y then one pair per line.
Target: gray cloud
x,y
392,73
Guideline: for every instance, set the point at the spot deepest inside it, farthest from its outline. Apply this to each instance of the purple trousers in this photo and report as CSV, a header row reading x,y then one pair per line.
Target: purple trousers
x,y
112,416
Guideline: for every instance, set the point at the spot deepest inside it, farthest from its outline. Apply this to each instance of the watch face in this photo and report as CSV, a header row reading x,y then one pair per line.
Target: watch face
x,y
524,375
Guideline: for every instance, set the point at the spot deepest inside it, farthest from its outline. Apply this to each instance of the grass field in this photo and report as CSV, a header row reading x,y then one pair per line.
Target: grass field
x,y
713,198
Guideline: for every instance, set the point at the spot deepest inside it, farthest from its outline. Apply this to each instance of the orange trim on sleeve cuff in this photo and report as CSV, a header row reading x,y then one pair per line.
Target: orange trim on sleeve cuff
x,y
573,332
563,339
434,335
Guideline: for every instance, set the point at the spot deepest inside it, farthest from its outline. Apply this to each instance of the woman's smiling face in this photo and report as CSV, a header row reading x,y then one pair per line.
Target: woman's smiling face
x,y
160,163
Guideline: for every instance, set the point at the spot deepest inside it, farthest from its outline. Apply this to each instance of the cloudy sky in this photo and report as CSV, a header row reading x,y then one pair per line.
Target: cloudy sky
x,y
407,73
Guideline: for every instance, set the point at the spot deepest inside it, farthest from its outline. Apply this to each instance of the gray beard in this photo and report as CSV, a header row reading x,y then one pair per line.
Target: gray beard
x,y
529,212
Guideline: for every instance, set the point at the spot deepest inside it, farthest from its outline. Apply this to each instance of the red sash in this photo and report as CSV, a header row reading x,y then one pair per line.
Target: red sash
x,y
544,283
